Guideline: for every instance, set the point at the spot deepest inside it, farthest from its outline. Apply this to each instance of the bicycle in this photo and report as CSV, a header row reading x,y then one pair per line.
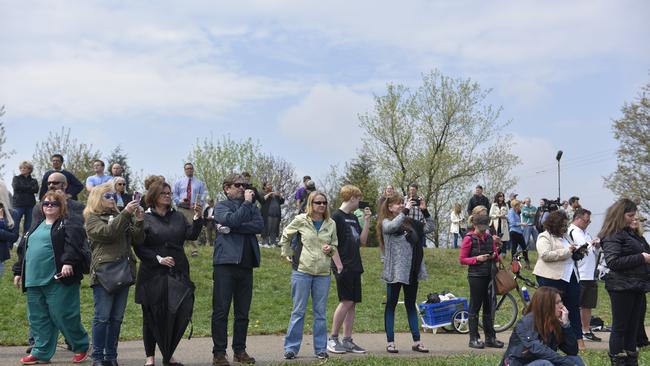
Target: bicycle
x,y
507,308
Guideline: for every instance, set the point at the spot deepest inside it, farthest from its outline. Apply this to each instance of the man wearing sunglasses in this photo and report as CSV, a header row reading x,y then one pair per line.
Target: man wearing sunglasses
x,y
74,186
57,182
236,253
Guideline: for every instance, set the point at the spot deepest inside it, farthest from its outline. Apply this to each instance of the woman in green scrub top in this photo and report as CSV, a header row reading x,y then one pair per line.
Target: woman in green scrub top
x,y
49,270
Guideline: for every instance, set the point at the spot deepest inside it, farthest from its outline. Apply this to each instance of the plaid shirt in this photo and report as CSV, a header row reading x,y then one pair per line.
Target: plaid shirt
x,y
414,212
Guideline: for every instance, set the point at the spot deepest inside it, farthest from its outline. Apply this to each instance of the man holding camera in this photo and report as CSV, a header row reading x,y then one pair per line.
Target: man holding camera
x,y
414,212
236,253
189,191
586,267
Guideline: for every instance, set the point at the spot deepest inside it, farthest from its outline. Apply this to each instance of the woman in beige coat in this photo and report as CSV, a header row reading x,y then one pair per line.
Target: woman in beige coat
x,y
499,217
555,267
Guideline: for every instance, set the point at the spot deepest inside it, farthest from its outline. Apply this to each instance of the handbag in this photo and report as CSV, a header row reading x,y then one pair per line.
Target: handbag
x,y
504,280
115,275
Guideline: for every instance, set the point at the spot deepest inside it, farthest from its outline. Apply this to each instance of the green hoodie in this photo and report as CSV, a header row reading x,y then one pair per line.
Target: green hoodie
x,y
312,259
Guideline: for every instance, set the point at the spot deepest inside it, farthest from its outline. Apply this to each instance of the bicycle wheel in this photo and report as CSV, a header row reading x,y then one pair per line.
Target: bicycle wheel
x,y
460,321
506,311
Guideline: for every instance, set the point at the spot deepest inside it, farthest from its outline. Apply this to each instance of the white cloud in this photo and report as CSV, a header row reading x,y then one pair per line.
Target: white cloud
x,y
327,119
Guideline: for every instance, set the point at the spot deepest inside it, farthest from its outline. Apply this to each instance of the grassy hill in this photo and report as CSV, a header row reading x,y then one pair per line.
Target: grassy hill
x,y
271,305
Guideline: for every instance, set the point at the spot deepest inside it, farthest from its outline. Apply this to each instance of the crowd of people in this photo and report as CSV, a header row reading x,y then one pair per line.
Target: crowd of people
x,y
62,239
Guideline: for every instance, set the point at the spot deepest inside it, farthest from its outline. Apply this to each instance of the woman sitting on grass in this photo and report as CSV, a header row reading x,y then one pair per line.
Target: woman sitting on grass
x,y
543,330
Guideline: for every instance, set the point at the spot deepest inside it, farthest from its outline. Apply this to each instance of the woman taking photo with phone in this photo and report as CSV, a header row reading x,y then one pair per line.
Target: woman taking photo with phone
x,y
402,238
110,234
49,270
479,252
311,260
627,255
121,197
543,330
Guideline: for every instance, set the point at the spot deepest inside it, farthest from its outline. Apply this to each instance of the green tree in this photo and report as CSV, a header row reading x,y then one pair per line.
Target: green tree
x,y
360,172
443,136
78,156
117,155
632,131
4,154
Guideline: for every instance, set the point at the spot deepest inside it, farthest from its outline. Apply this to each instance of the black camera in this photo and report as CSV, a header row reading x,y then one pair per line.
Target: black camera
x,y
416,201
580,252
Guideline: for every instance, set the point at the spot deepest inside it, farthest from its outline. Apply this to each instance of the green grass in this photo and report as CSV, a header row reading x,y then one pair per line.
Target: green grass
x,y
271,305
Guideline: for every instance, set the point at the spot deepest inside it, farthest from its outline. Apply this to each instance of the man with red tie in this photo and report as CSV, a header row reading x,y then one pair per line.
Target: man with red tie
x,y
189,191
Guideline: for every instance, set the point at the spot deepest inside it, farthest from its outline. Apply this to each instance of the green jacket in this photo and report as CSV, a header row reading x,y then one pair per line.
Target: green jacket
x,y
311,259
528,214
110,240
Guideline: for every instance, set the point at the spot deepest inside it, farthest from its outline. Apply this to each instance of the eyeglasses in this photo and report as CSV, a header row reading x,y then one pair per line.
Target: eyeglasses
x,y
51,204
120,184
324,203
109,196
165,193
54,183
240,185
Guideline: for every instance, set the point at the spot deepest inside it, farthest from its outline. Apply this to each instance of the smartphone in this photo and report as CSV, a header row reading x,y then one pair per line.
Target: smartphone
x,y
363,204
58,276
136,196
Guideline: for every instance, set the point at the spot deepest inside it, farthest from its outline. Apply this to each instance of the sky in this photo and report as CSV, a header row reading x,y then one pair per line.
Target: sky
x,y
154,77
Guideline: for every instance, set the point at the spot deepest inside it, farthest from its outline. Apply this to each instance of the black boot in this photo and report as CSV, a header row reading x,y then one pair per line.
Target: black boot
x,y
474,339
490,335
618,359
526,260
632,358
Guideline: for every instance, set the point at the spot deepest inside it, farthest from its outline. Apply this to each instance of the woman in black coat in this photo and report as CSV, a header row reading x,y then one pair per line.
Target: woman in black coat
x,y
25,187
272,214
165,232
627,255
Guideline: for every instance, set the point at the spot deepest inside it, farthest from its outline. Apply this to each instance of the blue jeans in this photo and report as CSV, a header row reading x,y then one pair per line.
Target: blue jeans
x,y
456,235
303,284
107,320
23,211
570,297
410,297
574,359
528,231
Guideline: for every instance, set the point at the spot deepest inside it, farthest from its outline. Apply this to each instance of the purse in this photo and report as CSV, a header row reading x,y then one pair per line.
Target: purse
x,y
504,280
115,275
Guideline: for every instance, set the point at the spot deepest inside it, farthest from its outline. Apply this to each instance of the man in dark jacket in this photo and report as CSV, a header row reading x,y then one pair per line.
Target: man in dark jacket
x,y
236,253
478,199
74,186
58,182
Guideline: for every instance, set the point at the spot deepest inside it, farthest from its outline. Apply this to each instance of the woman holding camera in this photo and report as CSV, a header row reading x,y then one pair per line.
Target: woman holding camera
x,y
479,252
555,267
110,233
402,238
543,330
627,255
49,270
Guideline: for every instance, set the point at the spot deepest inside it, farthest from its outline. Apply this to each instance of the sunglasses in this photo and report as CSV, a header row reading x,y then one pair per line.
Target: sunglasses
x,y
54,183
324,203
240,185
51,204
120,184
109,196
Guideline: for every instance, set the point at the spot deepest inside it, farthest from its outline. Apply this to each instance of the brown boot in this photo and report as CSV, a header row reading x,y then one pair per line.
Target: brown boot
x,y
220,359
243,357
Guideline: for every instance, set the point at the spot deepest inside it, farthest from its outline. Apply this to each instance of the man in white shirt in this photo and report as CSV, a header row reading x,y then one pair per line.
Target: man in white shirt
x,y
586,267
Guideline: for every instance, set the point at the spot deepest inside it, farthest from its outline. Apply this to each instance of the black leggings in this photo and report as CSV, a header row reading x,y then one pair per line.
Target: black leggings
x,y
626,319
517,240
479,297
147,336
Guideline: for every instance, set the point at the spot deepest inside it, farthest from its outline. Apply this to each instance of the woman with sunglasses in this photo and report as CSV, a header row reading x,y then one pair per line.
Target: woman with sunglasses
x,y
401,238
543,330
161,249
49,270
627,255
311,259
121,197
110,233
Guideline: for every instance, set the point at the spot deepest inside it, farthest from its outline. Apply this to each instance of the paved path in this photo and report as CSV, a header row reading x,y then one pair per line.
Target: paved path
x,y
268,349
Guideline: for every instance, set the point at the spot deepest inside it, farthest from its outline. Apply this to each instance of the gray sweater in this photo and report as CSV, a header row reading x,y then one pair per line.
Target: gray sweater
x,y
398,252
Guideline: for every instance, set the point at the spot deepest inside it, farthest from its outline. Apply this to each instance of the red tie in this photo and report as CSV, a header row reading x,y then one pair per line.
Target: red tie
x,y
189,191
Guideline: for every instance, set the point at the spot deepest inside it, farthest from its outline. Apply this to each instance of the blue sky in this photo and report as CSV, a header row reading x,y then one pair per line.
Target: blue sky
x,y
155,76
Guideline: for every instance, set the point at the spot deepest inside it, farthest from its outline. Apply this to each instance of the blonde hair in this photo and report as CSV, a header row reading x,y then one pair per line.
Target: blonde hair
x,y
94,204
309,209
615,217
514,203
457,208
349,191
116,180
476,211
6,204
28,165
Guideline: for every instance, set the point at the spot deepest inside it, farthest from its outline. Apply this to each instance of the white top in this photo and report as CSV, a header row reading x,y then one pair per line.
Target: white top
x,y
587,265
457,222
568,264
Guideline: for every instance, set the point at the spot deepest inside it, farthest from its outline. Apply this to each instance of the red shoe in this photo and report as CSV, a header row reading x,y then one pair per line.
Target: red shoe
x,y
32,360
80,357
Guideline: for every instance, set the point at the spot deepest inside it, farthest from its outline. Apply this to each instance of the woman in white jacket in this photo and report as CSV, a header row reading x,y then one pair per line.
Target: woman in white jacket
x,y
458,225
499,218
